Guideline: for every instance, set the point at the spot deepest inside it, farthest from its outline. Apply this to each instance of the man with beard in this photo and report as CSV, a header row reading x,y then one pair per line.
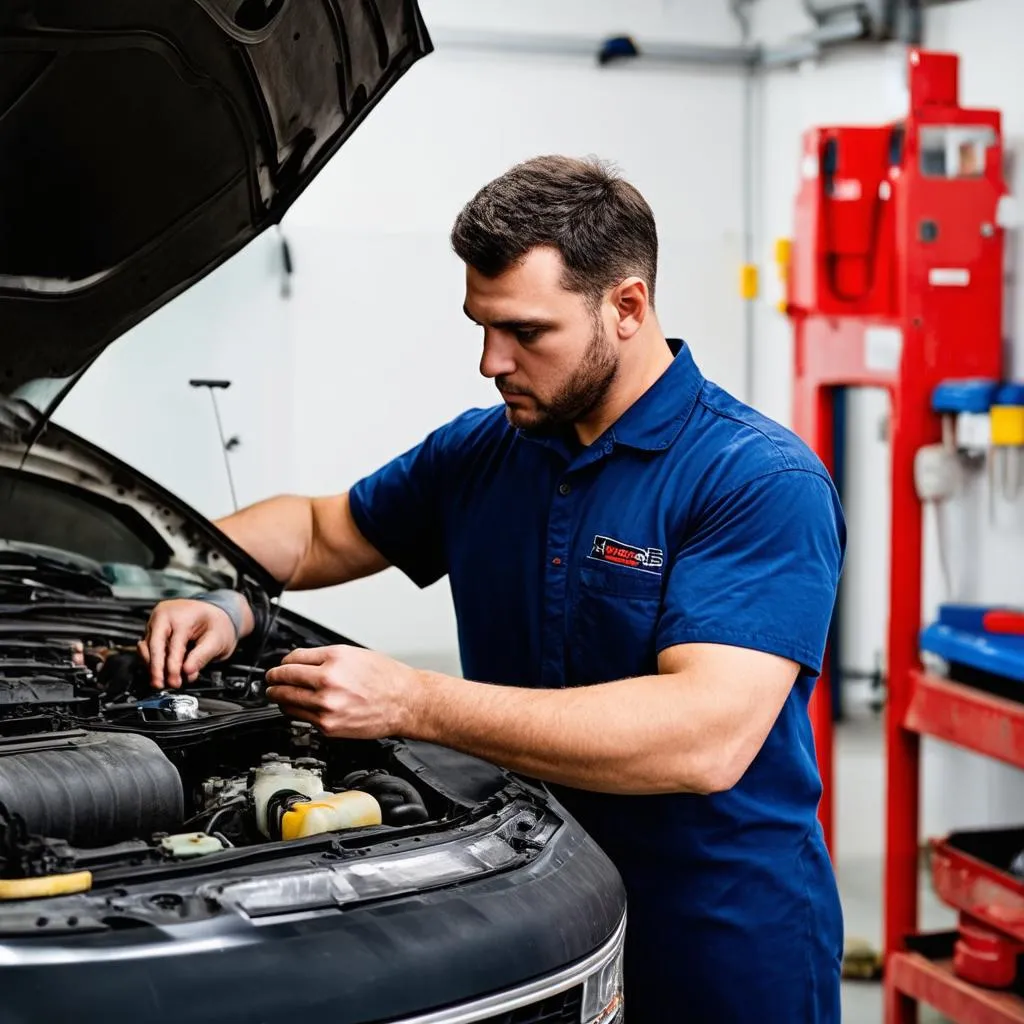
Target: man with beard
x,y
643,571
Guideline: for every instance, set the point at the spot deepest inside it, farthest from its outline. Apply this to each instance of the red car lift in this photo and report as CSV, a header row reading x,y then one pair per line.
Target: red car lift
x,y
895,280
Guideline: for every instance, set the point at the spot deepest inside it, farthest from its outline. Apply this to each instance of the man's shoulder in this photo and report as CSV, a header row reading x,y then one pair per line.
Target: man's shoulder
x,y
476,426
747,444
471,440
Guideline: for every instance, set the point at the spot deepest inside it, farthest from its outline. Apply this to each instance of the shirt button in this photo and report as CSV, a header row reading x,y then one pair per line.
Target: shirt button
x,y
607,447
564,489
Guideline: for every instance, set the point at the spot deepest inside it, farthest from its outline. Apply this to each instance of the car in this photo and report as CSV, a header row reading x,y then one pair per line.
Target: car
x,y
194,854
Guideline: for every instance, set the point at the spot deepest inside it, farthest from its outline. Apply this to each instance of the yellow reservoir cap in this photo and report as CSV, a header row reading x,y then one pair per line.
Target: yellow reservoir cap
x,y
330,812
49,885
1007,425
783,251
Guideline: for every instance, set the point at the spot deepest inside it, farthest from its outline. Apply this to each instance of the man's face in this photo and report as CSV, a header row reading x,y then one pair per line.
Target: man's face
x,y
549,353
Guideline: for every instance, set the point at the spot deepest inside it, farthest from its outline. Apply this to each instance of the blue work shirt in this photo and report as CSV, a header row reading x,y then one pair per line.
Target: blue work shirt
x,y
693,519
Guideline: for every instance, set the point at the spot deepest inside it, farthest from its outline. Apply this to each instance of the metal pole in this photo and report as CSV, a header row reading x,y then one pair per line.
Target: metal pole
x,y
741,13
224,448
214,386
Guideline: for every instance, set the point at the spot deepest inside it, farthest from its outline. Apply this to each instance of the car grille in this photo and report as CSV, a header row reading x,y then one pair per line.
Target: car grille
x,y
561,1009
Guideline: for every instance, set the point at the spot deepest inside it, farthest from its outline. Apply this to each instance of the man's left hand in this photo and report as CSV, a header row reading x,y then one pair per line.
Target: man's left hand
x,y
346,691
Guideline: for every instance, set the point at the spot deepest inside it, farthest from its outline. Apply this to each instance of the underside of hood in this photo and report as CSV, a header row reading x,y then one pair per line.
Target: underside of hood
x,y
143,142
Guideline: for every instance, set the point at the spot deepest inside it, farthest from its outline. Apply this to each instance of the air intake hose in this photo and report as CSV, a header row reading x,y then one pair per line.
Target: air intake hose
x,y
399,800
91,788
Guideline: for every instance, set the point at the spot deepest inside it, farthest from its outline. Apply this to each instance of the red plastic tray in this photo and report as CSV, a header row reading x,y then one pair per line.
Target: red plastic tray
x,y
969,874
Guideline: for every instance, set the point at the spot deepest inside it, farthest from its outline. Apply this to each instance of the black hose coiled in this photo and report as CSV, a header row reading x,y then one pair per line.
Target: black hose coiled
x,y
400,803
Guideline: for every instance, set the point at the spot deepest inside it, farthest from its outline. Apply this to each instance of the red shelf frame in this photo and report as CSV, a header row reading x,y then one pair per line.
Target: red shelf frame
x,y
943,334
911,978
967,717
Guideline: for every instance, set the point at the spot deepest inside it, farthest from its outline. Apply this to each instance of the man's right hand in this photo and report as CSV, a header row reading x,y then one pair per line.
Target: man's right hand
x,y
173,625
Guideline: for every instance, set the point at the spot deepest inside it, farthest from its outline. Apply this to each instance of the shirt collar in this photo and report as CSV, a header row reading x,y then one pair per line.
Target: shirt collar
x,y
655,419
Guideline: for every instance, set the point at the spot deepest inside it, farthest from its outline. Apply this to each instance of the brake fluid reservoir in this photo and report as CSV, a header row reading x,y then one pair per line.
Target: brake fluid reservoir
x,y
276,776
329,812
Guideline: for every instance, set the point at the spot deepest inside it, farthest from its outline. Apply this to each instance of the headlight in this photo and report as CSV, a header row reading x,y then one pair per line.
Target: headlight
x,y
602,994
352,881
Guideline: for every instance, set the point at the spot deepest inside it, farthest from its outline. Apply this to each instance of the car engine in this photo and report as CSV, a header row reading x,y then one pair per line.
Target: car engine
x,y
91,756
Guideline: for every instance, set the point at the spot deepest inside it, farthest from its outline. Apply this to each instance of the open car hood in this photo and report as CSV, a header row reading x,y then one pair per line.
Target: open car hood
x,y
143,143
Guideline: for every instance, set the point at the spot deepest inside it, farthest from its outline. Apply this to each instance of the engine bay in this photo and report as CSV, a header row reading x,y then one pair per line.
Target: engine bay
x,y
97,766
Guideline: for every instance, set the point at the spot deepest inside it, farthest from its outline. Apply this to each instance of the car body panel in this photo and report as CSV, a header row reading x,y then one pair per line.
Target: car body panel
x,y
144,143
381,962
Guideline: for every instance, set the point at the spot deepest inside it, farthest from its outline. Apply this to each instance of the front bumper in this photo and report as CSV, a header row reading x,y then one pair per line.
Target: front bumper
x,y
426,957
536,993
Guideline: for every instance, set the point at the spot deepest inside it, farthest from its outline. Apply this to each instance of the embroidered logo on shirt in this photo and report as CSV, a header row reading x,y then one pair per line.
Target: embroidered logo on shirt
x,y
607,549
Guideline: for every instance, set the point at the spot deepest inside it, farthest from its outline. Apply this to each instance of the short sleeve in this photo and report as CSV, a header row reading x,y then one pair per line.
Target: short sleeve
x,y
398,509
760,570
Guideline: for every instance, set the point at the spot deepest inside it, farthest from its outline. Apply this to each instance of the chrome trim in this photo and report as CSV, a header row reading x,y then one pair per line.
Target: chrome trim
x,y
27,955
534,992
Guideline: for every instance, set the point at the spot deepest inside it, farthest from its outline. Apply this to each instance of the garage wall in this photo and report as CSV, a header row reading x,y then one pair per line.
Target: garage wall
x,y
867,86
371,350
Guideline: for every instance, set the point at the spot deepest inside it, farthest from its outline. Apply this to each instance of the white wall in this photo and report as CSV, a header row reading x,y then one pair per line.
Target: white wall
x,y
136,400
372,349
865,86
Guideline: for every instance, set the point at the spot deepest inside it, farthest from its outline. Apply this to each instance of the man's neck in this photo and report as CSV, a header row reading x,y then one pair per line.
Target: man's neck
x,y
629,386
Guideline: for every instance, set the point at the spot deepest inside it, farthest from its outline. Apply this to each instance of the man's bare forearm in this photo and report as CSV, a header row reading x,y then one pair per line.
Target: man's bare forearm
x,y
277,533
304,543
624,737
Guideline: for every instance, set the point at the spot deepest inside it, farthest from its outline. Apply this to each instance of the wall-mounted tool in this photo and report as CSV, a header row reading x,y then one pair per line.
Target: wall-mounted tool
x,y
287,264
229,444
1007,434
965,408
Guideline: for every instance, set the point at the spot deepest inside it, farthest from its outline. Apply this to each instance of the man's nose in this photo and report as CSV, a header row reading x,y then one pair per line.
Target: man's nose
x,y
497,359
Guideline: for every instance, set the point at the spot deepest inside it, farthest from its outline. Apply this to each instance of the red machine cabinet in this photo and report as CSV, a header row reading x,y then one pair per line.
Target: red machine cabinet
x,y
895,281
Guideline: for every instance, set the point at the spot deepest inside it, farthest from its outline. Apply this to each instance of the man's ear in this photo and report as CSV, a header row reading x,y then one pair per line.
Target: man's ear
x,y
631,302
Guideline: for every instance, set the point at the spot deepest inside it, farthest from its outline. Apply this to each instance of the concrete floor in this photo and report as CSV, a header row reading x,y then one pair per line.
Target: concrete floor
x,y
859,767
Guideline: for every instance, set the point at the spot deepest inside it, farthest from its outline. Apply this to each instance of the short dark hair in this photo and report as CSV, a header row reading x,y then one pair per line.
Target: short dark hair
x,y
599,223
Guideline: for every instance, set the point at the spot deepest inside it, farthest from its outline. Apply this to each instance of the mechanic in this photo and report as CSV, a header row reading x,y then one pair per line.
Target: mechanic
x,y
643,571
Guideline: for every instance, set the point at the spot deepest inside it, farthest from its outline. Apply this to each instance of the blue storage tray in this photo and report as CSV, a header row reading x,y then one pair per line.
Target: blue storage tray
x,y
958,636
1010,394
971,395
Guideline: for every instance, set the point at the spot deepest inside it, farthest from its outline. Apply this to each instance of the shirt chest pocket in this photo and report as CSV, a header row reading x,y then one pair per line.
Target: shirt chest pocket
x,y
613,624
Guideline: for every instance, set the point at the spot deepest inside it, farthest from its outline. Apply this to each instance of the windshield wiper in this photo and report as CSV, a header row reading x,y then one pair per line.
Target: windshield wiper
x,y
24,590
37,573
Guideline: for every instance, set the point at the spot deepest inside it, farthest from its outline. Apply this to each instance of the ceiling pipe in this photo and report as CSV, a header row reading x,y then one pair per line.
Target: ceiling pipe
x,y
821,17
811,11
913,33
740,10
851,28
619,47
835,25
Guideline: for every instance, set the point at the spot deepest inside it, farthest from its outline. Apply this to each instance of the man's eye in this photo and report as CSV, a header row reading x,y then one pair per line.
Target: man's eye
x,y
525,335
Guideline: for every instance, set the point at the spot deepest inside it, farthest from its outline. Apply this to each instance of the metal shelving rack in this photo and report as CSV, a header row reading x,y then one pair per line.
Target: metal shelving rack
x,y
994,727
906,334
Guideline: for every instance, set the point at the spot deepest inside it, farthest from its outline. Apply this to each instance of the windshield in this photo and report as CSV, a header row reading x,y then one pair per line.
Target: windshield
x,y
58,537
31,572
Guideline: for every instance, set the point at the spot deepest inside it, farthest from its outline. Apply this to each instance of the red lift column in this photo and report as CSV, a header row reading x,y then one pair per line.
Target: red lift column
x,y
896,282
